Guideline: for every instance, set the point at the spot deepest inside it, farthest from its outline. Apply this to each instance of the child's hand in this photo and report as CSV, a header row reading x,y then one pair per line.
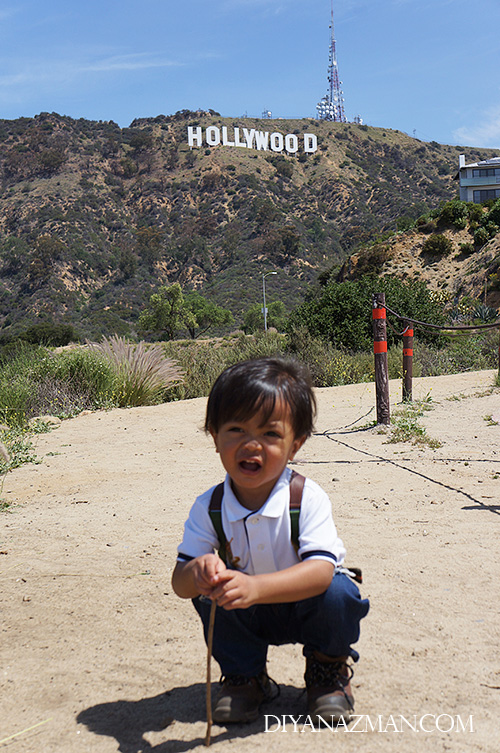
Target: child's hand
x,y
205,571
235,590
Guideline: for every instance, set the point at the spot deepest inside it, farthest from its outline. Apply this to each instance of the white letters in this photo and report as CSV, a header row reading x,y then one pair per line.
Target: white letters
x,y
251,139
194,134
321,719
413,726
224,137
356,718
276,721
249,136
461,724
374,728
291,143
237,138
277,142
445,716
261,140
428,723
424,729
308,723
213,136
310,143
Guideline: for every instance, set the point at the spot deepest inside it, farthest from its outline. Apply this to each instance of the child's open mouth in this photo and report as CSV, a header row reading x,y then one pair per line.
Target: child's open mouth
x,y
250,466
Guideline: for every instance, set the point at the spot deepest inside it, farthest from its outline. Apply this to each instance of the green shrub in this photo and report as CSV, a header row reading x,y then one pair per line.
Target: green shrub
x,y
466,249
463,353
454,213
49,333
437,245
203,361
481,236
329,366
340,312
35,381
494,213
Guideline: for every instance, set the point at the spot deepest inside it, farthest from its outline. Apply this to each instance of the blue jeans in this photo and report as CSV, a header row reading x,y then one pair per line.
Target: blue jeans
x,y
328,623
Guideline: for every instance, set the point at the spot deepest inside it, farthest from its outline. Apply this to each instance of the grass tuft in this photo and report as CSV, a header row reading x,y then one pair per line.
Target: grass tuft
x,y
142,372
405,427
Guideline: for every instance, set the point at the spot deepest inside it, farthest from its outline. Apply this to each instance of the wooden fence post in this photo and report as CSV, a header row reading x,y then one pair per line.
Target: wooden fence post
x,y
407,362
380,353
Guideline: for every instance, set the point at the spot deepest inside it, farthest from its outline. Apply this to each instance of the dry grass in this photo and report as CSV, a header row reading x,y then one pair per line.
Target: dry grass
x,y
143,372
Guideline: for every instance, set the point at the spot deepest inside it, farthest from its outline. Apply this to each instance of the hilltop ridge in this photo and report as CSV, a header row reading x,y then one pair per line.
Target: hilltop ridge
x,y
94,216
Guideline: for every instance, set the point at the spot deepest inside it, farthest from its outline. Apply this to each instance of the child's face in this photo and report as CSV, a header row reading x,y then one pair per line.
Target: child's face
x,y
255,454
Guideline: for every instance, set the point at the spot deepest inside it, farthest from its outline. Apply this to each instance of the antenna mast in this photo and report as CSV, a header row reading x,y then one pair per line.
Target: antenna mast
x,y
331,107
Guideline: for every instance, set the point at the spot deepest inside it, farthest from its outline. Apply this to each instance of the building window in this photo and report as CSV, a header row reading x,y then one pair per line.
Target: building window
x,y
480,196
485,172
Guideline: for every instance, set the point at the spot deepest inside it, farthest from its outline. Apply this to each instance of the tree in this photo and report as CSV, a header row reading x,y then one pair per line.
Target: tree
x,y
340,312
127,263
167,312
148,244
206,314
253,320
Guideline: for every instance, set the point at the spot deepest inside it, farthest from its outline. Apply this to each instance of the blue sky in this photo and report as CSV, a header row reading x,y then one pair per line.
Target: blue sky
x,y
430,68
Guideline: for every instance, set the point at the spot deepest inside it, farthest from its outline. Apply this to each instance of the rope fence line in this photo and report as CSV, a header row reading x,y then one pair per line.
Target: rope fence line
x,y
442,327
379,322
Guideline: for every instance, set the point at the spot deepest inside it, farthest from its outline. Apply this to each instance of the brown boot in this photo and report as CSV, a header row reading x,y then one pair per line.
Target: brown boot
x,y
329,694
240,698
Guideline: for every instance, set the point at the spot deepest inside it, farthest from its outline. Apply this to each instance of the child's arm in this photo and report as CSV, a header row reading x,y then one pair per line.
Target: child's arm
x,y
198,576
236,590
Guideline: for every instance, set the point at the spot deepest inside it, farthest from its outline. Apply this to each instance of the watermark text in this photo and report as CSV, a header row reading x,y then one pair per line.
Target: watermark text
x,y
427,723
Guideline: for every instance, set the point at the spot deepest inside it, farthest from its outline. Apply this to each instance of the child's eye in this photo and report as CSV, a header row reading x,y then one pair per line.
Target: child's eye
x,y
273,434
235,429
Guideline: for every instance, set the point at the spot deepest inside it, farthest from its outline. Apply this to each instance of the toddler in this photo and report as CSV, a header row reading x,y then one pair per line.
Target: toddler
x,y
274,581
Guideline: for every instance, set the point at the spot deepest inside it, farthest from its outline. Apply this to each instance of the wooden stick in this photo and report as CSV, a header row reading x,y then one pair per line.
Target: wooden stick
x,y
210,642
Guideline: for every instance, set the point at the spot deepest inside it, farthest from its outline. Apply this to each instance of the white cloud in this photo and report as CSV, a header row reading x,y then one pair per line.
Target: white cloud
x,y
134,62
57,71
485,133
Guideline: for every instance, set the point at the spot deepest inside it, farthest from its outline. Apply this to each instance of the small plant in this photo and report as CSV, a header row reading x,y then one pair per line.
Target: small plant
x,y
405,426
490,421
437,245
143,373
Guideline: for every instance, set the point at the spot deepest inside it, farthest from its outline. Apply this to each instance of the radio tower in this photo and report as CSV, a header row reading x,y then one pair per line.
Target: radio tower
x,y
331,107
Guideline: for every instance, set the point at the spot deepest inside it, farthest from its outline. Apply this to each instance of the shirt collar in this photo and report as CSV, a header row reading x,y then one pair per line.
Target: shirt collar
x,y
272,507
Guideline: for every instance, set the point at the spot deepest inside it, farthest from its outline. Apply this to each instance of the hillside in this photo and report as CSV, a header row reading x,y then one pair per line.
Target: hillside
x,y
93,217
468,270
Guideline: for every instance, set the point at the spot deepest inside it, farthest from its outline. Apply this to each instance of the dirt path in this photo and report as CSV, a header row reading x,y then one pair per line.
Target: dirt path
x,y
98,654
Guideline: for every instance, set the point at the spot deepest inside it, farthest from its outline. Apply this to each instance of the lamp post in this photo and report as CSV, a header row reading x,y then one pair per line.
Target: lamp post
x,y
266,274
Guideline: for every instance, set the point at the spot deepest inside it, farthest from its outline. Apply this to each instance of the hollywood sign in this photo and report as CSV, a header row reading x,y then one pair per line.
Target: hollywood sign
x,y
250,138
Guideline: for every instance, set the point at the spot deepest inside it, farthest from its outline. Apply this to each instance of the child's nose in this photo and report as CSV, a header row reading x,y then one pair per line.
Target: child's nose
x,y
253,442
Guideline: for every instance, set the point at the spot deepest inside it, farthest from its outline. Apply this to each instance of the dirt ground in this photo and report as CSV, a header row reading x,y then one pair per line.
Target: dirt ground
x,y
99,655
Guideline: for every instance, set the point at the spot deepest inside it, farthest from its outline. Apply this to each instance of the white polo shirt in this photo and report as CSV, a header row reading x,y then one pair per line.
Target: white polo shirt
x,y
262,539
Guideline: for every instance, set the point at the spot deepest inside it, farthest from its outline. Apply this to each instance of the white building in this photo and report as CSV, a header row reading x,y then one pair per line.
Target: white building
x,y
479,181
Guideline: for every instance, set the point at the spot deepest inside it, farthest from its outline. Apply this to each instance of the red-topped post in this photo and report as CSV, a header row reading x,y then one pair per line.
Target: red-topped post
x,y
380,354
407,362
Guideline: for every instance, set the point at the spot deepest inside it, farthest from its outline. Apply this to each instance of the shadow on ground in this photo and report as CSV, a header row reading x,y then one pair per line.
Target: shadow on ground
x,y
129,721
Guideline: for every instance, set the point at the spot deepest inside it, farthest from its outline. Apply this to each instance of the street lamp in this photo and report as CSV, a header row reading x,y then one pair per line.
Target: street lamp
x,y
266,274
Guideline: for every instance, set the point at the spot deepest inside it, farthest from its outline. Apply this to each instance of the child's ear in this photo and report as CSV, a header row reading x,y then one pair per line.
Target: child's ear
x,y
297,444
214,437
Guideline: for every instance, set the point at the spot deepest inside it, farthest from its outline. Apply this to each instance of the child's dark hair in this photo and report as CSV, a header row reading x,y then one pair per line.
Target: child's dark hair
x,y
248,387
